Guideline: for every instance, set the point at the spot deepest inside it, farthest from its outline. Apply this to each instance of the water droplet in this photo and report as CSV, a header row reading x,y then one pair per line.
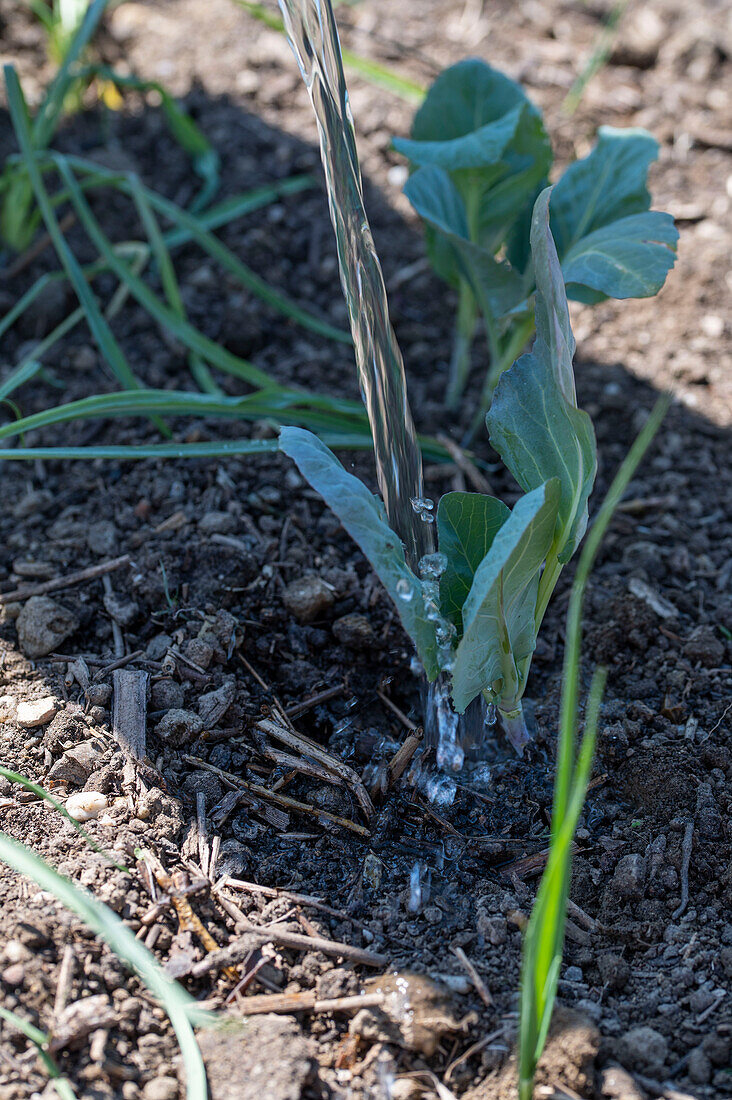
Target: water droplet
x,y
440,790
432,566
422,504
415,889
491,715
405,590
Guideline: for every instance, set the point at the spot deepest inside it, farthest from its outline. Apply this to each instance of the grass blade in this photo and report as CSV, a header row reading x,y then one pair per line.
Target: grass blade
x,y
198,367
39,1039
108,926
99,327
47,118
544,941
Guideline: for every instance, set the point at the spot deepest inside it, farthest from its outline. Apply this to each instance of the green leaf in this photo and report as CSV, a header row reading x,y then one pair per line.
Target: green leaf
x,y
498,614
596,200
464,98
466,524
363,516
474,149
534,422
479,126
437,200
628,259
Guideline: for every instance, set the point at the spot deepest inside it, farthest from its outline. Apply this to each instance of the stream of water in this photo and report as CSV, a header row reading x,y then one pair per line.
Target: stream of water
x,y
313,35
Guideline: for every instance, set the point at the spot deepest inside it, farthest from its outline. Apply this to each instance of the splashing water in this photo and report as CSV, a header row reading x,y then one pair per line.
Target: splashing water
x,y
313,35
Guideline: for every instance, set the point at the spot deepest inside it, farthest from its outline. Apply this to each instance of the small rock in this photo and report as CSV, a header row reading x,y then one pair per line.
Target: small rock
x,y
206,783
699,1068
308,597
494,929
77,764
214,704
217,523
98,695
158,646
614,971
121,610
617,1084
167,694
161,1088
432,914
102,538
42,625
644,1049
86,806
13,976
630,875
704,646
199,652
36,712
179,727
354,631
573,974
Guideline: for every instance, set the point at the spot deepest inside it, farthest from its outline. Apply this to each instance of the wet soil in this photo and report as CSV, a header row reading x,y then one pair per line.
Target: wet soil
x,y
243,593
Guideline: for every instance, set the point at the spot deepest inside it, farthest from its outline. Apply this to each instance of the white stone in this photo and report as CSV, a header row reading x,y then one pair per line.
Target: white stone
x,y
86,805
36,712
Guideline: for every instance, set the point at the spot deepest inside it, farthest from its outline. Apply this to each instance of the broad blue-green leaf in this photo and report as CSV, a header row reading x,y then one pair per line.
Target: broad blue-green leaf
x,y
628,259
498,614
363,516
479,126
475,149
594,202
464,98
436,199
467,523
534,422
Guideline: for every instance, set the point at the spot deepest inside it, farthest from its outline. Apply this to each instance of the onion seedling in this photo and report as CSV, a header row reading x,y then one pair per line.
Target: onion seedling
x,y
544,940
480,154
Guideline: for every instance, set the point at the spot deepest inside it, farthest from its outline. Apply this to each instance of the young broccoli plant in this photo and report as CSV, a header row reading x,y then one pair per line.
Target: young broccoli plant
x,y
475,609
479,155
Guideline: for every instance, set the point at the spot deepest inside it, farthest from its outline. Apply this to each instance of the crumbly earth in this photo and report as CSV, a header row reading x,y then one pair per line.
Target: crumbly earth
x,y
242,591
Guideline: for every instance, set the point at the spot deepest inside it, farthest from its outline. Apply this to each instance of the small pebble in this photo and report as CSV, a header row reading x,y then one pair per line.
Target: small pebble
x,y
307,598
161,1088
86,806
36,712
42,625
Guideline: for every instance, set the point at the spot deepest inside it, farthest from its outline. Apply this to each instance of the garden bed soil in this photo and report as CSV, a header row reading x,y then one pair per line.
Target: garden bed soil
x,y
242,593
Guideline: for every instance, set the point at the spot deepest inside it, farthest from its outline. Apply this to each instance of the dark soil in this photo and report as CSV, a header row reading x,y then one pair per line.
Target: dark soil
x,y
208,603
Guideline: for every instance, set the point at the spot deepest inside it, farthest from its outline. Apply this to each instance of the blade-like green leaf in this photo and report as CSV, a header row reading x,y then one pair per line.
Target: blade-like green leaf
x,y
466,525
534,422
436,199
498,614
363,516
608,241
628,259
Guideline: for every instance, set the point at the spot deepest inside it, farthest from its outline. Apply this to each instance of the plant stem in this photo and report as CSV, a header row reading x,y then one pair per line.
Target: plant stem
x,y
505,356
467,315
